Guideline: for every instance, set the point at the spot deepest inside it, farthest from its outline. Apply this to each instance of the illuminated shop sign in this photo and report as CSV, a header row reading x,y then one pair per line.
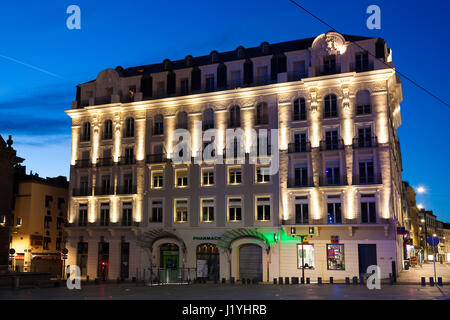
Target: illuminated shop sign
x,y
205,238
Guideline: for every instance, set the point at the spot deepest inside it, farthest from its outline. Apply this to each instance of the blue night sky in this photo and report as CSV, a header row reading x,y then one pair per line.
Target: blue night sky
x,y
53,60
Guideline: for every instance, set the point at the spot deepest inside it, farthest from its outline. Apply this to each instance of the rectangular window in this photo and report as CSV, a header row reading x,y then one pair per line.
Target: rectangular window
x,y
262,75
181,210
363,109
157,179
184,86
368,209
366,172
157,211
335,257
181,178
301,210
82,215
106,185
47,220
235,79
334,210
305,258
207,206
329,64
331,140
299,70
207,176
234,209
300,142
127,214
128,183
104,214
262,175
361,62
234,175
333,175
46,243
84,185
58,243
129,156
263,208
160,88
301,176
299,109
364,137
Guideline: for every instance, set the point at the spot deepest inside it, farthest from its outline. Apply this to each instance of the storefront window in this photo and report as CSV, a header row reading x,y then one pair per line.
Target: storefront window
x,y
335,257
308,256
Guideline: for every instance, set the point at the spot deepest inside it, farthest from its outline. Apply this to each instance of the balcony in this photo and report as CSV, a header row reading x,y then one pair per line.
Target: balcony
x,y
323,71
83,192
101,191
300,183
156,158
127,190
84,163
361,67
299,147
261,151
335,181
329,145
127,161
365,143
371,179
104,162
296,76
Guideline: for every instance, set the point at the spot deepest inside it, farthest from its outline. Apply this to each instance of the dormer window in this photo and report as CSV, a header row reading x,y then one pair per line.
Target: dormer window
x,y
265,48
361,62
214,57
329,64
240,51
167,65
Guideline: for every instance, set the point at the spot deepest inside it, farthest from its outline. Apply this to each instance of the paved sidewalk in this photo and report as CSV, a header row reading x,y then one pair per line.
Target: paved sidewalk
x,y
413,275
129,291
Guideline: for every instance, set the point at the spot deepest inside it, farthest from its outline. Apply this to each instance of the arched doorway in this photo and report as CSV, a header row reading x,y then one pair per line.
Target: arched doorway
x,y
208,261
250,262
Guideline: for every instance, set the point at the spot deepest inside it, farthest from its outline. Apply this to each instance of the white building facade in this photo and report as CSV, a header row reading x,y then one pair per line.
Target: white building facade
x,y
334,101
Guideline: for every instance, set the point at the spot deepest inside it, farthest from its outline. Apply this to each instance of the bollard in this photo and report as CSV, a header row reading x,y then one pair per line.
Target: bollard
x,y
432,281
223,280
331,280
118,280
361,279
248,281
355,280
280,280
286,280
274,280
87,279
231,280
423,282
319,280
302,280
440,281
391,279
308,281
243,281
347,280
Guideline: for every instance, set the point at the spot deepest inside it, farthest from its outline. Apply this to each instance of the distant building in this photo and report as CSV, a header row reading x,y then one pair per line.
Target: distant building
x,y
427,227
411,221
40,210
8,160
447,241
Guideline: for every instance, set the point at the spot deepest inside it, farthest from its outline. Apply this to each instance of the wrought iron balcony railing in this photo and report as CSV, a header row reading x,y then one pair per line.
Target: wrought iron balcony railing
x,y
327,145
365,142
299,147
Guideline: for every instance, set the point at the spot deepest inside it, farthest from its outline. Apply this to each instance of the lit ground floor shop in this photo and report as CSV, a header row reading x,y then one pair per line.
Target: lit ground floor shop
x,y
259,254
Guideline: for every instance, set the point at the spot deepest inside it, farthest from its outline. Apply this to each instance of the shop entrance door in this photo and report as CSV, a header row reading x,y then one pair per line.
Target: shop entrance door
x,y
250,262
208,261
169,262
367,256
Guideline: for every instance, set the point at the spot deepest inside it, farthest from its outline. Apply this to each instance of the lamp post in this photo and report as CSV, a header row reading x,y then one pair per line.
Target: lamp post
x,y
64,256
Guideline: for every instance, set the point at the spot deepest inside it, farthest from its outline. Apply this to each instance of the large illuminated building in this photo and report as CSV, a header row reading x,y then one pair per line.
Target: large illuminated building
x,y
335,100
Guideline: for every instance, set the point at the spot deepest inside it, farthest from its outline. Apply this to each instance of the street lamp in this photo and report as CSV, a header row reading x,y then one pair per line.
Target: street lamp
x,y
421,190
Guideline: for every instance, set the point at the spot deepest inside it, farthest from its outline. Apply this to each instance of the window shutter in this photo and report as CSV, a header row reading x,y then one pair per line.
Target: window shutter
x,y
222,76
171,83
248,72
146,86
196,79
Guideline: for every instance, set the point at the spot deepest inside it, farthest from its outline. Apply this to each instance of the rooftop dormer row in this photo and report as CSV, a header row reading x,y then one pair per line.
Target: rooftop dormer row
x,y
327,54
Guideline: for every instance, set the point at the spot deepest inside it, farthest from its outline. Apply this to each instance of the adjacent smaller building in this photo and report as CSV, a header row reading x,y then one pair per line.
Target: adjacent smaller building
x,y
39,215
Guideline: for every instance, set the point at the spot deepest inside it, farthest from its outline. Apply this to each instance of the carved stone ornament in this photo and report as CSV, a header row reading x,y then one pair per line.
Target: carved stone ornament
x,y
330,43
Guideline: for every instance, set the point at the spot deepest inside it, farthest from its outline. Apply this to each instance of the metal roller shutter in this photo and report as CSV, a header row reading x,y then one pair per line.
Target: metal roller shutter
x,y
250,262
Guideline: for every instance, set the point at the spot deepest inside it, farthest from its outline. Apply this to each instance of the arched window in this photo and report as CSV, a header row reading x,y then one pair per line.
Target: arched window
x,y
299,109
262,113
330,110
208,119
182,120
363,102
129,127
159,125
86,134
235,117
107,130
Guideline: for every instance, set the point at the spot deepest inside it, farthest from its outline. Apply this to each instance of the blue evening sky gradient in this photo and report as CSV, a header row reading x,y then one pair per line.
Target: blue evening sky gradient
x,y
131,33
